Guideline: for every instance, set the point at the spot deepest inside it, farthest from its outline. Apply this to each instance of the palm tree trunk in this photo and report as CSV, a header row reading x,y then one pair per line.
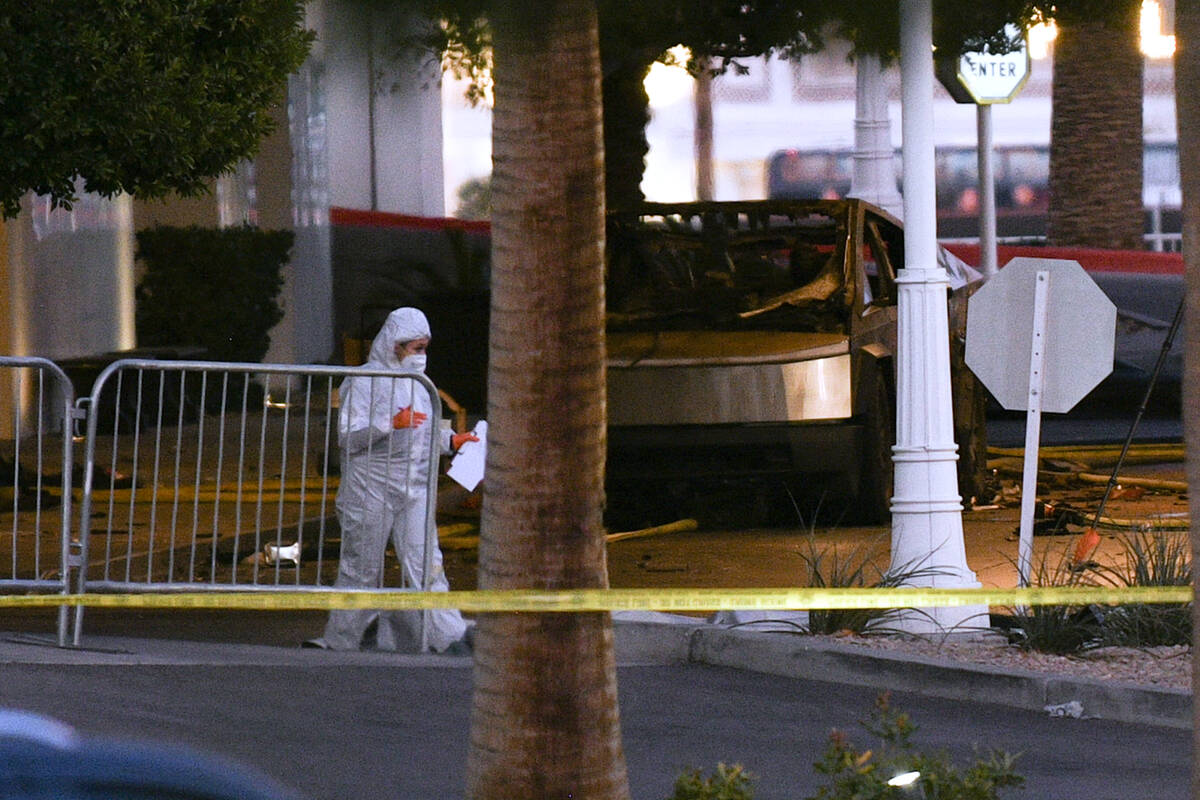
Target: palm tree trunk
x,y
626,115
1187,116
544,719
1096,132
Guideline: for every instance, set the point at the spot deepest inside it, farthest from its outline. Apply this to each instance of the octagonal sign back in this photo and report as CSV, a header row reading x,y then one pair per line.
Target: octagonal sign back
x,y
1080,330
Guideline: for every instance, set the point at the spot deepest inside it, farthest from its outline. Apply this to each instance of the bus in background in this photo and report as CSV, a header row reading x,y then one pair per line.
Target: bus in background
x,y
1022,197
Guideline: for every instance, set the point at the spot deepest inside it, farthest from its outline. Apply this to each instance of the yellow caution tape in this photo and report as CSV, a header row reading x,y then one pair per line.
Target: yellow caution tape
x,y
579,600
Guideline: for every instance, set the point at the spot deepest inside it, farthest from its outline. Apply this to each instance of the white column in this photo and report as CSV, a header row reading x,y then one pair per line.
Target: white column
x,y
926,508
874,175
292,177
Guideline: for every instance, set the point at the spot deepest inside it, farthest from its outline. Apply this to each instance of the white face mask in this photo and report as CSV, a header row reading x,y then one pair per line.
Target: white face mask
x,y
413,363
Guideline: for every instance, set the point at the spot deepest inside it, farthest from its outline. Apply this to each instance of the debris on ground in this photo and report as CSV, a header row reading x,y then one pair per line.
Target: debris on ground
x,y
1072,709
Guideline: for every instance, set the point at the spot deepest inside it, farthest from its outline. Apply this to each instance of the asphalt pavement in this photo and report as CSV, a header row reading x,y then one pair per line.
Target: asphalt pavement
x,y
344,726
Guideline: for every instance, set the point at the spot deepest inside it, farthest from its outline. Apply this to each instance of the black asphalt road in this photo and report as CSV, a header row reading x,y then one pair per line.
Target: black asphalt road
x,y
365,732
1066,430
1104,416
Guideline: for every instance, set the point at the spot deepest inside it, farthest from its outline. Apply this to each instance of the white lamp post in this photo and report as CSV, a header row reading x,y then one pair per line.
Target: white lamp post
x,y
874,176
926,508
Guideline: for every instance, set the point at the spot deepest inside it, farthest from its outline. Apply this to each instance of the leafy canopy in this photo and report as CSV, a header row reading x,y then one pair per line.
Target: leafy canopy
x,y
718,32
140,96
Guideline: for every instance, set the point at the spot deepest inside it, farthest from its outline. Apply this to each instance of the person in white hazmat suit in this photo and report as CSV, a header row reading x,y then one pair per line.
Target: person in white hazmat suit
x,y
384,434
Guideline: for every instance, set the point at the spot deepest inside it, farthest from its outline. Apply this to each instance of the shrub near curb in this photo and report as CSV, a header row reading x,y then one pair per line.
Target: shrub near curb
x,y
727,783
1150,558
895,767
893,770
213,287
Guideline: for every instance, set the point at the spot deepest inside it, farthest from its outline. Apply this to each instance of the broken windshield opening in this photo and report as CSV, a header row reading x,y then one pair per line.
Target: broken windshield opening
x,y
723,267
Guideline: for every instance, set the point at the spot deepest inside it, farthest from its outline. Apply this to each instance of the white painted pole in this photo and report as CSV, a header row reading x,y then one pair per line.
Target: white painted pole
x,y
987,191
874,175
916,116
926,508
1033,424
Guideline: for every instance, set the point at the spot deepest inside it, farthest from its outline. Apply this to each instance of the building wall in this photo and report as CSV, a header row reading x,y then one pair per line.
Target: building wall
x,y
343,34
70,278
296,157
175,211
337,142
384,114
408,139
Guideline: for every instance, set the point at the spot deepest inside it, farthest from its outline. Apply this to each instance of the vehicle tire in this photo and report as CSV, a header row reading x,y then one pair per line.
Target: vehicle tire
x,y
875,478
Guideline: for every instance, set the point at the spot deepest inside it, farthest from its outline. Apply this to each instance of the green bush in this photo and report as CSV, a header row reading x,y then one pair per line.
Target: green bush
x,y
1056,629
827,567
475,199
727,783
1151,558
212,287
873,773
859,569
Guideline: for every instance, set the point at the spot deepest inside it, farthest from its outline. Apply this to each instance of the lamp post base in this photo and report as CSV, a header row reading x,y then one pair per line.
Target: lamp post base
x,y
965,620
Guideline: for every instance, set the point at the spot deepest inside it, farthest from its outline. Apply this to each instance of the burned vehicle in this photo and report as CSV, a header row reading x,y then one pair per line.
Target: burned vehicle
x,y
751,345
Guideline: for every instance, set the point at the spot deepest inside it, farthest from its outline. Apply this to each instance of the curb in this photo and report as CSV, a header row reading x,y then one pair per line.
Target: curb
x,y
791,655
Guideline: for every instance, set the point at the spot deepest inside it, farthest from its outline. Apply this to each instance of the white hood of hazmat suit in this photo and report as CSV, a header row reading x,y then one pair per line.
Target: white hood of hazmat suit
x,y
368,404
384,493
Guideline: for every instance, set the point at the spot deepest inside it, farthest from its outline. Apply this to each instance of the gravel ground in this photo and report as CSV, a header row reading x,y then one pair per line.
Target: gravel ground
x,y
1164,667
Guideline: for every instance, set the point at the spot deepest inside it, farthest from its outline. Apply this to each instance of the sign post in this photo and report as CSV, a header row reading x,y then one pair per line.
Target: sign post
x,y
1040,336
1033,423
983,78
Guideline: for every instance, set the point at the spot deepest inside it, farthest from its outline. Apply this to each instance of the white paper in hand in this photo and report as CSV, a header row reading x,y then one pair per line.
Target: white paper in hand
x,y
467,466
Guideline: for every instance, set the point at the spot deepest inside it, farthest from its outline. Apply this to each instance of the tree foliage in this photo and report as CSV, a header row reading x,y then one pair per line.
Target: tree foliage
x,y
719,34
213,287
141,96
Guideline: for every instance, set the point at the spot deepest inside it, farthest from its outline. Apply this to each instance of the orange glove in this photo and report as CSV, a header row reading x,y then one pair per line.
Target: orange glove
x,y
407,418
459,439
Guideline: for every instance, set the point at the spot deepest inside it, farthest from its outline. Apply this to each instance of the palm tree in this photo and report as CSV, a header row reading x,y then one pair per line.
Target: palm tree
x,y
544,718
1096,127
627,113
1187,116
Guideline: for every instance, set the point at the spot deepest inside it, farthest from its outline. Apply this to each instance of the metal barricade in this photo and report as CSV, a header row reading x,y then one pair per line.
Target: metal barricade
x,y
219,476
36,465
